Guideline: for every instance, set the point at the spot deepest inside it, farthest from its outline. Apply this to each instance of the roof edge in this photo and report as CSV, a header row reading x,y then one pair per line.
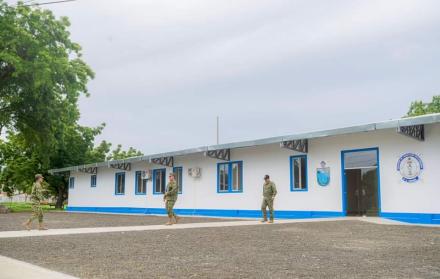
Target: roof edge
x,y
388,124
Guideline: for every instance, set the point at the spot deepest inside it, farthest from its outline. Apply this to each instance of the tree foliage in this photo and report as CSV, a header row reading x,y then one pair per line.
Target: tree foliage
x,y
420,108
118,153
41,73
74,146
19,164
42,76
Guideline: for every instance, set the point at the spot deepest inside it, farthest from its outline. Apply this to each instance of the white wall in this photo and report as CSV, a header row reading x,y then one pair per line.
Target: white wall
x,y
396,196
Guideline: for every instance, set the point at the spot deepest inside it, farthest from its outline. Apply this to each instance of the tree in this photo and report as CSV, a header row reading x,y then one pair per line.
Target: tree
x,y
41,78
19,164
98,153
74,146
119,154
41,74
420,108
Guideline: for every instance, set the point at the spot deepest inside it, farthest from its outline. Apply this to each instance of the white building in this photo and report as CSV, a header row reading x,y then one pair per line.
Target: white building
x,y
386,169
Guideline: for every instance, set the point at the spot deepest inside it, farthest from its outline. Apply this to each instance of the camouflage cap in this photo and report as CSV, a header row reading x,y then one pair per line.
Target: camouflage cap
x,y
39,176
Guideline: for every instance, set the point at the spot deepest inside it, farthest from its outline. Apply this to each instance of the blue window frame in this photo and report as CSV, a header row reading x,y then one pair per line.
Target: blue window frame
x,y
93,180
159,181
71,182
120,183
298,173
178,172
230,177
140,184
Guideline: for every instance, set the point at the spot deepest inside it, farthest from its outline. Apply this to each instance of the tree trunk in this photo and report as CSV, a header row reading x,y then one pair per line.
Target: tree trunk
x,y
60,198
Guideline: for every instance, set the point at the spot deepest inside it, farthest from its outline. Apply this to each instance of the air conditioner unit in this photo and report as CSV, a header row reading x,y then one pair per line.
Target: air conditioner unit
x,y
146,174
195,172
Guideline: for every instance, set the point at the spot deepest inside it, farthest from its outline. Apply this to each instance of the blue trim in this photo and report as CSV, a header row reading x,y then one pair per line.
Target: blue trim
x,y
237,213
416,218
116,183
154,180
218,178
93,179
229,164
71,182
292,189
136,184
379,202
175,169
344,183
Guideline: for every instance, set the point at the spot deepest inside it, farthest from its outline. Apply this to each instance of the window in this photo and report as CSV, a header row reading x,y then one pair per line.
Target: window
x,y
93,180
230,177
298,173
140,184
159,181
120,183
178,171
360,159
71,182
223,177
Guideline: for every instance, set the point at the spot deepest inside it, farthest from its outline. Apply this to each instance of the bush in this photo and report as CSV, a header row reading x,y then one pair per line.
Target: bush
x,y
26,206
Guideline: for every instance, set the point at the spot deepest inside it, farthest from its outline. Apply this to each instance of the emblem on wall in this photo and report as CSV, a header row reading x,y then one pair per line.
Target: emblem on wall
x,y
410,166
323,174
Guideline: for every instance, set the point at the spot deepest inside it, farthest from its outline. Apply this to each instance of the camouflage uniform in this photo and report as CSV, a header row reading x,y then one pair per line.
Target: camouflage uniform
x,y
171,198
269,193
36,198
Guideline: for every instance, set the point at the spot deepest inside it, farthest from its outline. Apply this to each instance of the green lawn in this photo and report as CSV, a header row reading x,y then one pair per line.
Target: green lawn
x,y
25,206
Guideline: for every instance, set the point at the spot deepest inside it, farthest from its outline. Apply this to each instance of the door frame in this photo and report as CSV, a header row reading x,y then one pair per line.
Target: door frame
x,y
344,179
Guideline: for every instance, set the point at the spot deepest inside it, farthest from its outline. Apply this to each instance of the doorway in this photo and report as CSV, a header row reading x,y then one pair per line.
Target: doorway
x,y
361,191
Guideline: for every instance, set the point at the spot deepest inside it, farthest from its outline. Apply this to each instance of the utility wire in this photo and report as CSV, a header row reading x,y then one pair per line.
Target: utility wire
x,y
24,2
27,1
46,3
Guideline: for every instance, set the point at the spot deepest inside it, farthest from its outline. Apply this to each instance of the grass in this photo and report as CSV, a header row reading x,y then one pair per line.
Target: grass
x,y
25,207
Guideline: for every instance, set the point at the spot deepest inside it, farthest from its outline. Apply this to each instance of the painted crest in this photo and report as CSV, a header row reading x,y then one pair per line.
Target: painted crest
x,y
410,167
323,174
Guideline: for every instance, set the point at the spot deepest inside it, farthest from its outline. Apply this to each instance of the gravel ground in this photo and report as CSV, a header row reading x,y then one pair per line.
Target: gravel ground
x,y
65,220
337,249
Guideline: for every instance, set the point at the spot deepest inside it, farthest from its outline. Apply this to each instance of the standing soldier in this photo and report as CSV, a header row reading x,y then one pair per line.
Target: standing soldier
x,y
269,193
170,199
36,199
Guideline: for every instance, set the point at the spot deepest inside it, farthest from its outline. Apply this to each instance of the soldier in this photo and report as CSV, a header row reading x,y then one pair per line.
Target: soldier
x,y
269,193
170,199
36,198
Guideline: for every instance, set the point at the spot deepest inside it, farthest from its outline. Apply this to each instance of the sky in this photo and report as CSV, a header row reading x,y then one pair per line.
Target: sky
x,y
166,69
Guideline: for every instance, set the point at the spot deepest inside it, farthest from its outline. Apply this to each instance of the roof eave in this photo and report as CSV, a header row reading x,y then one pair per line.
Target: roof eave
x,y
389,124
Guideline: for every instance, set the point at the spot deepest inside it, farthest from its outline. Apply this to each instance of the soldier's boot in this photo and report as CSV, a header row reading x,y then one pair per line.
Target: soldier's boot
x,y
41,227
271,217
176,219
264,215
170,222
27,225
